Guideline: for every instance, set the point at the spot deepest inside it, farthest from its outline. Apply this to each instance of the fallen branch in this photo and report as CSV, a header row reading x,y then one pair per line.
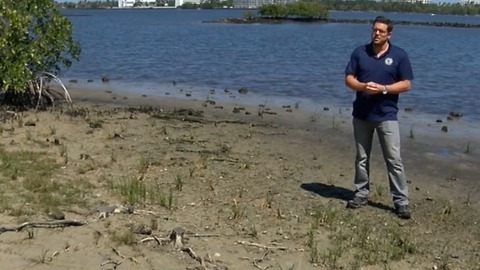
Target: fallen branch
x,y
112,262
121,256
256,261
203,235
194,256
45,224
231,160
251,244
154,238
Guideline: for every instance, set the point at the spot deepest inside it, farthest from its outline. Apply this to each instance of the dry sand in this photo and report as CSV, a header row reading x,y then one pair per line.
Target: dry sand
x,y
258,188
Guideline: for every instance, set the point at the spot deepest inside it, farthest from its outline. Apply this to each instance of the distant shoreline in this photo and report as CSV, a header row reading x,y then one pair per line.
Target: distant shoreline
x,y
257,20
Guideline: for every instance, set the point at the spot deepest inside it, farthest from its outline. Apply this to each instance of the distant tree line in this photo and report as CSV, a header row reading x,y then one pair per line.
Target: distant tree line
x,y
341,5
89,4
295,10
394,6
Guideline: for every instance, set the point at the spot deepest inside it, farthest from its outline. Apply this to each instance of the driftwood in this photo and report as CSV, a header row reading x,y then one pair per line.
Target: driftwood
x,y
251,244
44,224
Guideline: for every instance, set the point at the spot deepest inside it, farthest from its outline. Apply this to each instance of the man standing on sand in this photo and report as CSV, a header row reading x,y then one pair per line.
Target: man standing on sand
x,y
378,72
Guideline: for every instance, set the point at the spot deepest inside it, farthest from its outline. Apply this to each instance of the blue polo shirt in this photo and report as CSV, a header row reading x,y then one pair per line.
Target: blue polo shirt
x,y
393,66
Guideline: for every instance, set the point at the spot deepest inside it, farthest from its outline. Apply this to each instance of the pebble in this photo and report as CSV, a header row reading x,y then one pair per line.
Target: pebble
x,y
57,215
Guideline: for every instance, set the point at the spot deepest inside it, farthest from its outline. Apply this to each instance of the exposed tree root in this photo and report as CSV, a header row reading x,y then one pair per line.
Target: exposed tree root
x,y
38,93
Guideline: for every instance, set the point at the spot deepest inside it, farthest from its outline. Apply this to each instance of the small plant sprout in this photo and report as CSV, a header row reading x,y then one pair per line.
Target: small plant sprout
x,y
154,223
163,130
53,130
123,128
178,182
468,148
238,212
144,165
42,258
191,170
334,124
253,232
411,134
313,246
113,156
29,135
269,200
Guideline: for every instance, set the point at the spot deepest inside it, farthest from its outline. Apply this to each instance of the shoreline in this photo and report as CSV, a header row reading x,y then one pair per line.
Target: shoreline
x,y
424,128
425,148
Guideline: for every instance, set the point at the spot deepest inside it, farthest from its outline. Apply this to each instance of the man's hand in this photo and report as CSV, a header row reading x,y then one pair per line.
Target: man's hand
x,y
373,88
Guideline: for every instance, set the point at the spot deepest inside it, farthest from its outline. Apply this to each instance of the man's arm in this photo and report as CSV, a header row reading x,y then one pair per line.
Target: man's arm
x,y
373,88
399,87
352,83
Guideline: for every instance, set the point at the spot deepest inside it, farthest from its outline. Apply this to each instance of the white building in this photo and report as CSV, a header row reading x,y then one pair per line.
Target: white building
x,y
126,3
130,3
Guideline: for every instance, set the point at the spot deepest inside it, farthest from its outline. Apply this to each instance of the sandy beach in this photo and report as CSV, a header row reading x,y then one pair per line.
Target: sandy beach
x,y
125,181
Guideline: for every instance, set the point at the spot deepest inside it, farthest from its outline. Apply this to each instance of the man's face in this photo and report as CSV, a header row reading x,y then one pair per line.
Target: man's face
x,y
380,34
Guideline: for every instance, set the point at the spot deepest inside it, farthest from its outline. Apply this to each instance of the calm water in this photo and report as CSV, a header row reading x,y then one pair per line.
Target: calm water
x,y
145,50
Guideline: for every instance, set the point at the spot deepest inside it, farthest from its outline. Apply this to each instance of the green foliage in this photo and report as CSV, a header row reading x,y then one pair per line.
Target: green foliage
x,y
34,37
274,11
308,10
89,4
299,10
397,6
248,15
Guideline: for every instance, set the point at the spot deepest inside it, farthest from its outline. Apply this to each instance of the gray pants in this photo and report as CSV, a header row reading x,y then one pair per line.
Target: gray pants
x,y
389,138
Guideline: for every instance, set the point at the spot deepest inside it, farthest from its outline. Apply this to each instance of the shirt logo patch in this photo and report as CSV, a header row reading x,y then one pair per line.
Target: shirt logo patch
x,y
388,61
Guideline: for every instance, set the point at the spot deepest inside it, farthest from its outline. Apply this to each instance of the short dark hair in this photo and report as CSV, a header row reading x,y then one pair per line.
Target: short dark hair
x,y
385,20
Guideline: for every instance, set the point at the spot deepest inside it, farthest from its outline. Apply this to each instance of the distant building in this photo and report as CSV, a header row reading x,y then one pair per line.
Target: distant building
x,y
131,3
422,1
258,3
126,3
412,1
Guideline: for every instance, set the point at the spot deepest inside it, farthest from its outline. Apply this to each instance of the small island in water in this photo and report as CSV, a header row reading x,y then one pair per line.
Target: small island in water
x,y
316,12
263,20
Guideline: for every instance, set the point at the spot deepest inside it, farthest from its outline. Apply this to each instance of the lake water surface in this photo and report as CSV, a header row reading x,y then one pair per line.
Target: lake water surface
x,y
144,51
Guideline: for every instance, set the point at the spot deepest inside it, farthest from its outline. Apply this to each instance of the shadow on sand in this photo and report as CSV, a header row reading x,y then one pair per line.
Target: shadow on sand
x,y
339,193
